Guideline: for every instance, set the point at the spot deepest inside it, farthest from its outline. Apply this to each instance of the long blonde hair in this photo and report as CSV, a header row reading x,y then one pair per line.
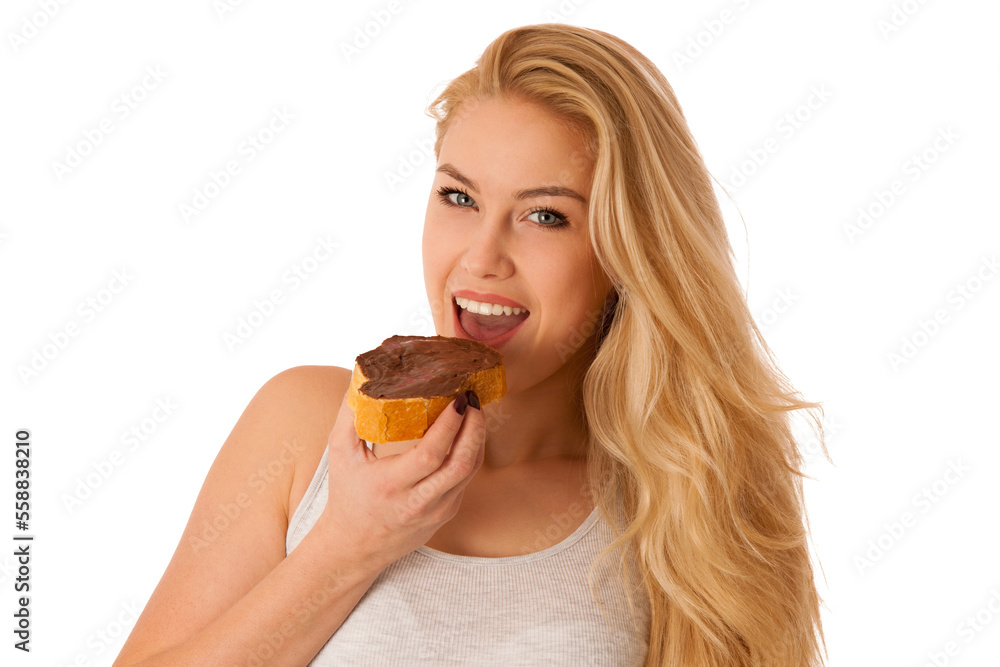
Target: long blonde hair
x,y
687,412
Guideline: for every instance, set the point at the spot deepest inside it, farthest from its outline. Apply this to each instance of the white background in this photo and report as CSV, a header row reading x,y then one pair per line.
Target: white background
x,y
901,573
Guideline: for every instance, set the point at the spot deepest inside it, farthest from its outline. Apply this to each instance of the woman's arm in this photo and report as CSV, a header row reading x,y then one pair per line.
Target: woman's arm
x,y
229,594
284,619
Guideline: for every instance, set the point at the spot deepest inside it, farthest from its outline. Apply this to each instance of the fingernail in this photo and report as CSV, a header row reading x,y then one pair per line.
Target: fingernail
x,y
461,401
473,399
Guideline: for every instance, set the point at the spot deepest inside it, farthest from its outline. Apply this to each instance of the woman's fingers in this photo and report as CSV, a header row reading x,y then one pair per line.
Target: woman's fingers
x,y
394,504
464,458
451,498
428,455
447,454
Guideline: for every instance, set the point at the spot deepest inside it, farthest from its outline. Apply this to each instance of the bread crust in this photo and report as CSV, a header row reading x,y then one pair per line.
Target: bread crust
x,y
385,420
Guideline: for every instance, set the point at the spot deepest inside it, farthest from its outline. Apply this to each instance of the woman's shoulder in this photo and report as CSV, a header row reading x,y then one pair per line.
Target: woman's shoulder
x,y
301,403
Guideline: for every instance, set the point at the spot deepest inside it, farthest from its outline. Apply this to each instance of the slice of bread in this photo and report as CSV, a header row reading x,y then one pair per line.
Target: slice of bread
x,y
414,378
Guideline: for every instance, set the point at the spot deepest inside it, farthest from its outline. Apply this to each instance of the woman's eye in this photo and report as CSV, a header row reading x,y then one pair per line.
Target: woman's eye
x,y
461,199
546,218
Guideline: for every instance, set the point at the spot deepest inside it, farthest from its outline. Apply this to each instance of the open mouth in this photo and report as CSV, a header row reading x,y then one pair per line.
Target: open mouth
x,y
489,329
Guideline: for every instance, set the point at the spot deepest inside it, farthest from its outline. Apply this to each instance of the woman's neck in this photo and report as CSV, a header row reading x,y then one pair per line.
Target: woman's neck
x,y
545,421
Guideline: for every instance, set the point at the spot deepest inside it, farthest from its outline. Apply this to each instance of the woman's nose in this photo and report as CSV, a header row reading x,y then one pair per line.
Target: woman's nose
x,y
487,254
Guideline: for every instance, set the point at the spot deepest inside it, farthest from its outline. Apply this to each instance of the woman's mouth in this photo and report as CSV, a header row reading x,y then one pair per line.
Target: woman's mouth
x,y
493,330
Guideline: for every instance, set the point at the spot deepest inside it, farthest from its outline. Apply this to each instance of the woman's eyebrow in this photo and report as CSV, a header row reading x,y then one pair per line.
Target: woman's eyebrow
x,y
551,191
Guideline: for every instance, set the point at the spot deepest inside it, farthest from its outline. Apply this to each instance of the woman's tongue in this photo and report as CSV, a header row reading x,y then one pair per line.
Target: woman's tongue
x,y
483,327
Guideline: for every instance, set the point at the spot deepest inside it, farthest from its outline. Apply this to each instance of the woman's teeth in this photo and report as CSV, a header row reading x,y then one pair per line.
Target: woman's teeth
x,y
487,308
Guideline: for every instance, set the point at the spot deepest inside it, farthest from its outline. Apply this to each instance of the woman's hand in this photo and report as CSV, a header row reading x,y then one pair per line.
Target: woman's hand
x,y
385,508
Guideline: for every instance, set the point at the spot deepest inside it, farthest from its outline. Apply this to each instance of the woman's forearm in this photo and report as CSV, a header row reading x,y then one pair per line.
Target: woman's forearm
x,y
286,618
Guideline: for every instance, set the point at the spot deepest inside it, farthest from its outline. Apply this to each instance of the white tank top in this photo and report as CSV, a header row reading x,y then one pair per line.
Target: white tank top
x,y
438,609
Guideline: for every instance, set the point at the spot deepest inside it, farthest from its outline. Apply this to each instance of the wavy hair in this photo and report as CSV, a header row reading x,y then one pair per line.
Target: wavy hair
x,y
692,457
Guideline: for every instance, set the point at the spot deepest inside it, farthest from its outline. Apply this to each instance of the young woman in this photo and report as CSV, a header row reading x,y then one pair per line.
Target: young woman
x,y
634,499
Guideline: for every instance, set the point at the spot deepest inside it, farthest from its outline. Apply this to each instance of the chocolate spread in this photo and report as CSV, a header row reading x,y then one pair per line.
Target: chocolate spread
x,y
423,366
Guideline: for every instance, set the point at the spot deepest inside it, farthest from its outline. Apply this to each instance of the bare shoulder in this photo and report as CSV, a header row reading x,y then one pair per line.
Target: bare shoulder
x,y
237,528
303,401
279,439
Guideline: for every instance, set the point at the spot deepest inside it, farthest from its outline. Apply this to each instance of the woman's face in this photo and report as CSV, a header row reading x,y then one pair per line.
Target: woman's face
x,y
484,233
